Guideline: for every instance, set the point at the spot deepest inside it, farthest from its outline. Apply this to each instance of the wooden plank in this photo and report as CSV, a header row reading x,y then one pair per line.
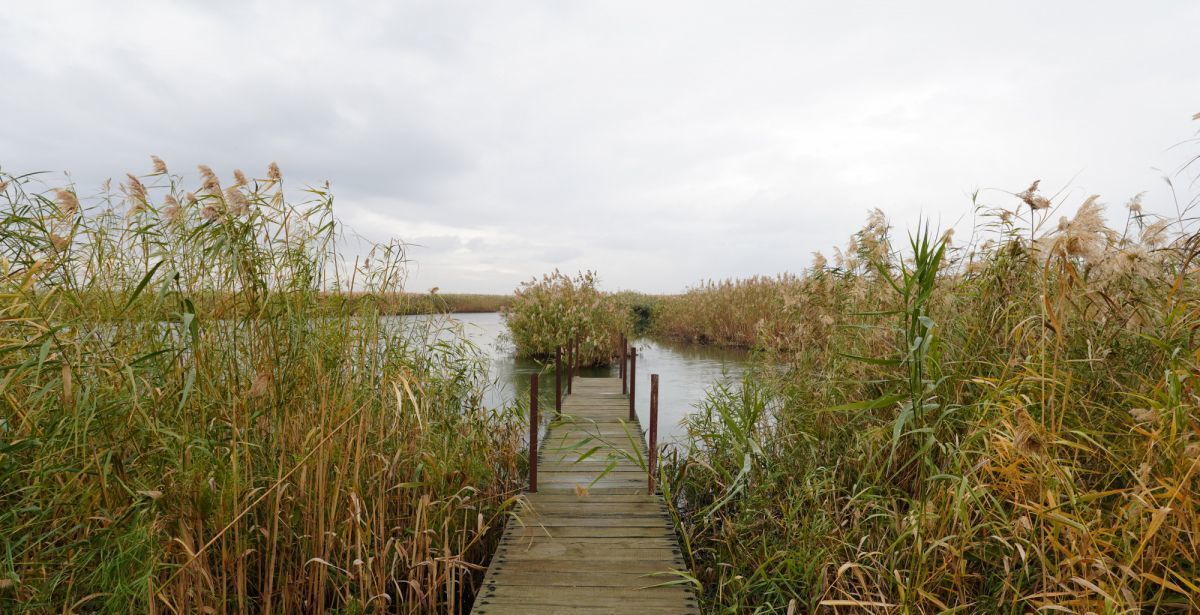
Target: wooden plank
x,y
591,540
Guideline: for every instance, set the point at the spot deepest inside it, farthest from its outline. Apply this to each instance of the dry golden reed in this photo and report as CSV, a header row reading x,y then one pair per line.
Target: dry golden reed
x,y
199,413
1007,425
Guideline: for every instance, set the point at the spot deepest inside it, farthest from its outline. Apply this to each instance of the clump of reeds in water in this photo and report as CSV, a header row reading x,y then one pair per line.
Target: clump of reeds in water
x,y
1010,424
189,424
558,310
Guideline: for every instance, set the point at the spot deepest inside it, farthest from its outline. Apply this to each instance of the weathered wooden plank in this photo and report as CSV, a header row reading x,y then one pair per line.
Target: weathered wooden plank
x,y
634,534
591,540
539,497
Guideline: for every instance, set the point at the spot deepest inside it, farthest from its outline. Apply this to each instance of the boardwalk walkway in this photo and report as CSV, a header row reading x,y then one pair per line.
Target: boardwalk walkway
x,y
589,541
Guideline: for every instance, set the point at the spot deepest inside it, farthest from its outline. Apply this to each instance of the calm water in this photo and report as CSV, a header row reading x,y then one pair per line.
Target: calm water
x,y
684,371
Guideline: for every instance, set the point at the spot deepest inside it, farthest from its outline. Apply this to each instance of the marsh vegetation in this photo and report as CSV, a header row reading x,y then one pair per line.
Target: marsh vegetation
x,y
207,404
1006,424
551,312
202,409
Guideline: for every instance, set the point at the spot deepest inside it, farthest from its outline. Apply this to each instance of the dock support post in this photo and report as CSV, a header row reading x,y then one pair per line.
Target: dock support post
x,y
632,383
533,432
558,380
653,457
570,361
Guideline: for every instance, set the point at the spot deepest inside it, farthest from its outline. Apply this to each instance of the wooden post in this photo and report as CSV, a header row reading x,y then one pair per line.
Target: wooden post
x,y
624,372
577,359
632,383
570,354
533,432
653,462
558,380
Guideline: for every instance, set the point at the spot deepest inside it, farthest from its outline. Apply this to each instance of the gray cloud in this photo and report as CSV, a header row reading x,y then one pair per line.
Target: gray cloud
x,y
658,143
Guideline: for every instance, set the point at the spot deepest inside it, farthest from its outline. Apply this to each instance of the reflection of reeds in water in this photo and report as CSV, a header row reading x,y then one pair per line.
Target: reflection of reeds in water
x,y
199,412
1006,425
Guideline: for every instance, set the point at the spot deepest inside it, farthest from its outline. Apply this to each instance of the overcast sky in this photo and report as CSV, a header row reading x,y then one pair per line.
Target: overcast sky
x,y
659,143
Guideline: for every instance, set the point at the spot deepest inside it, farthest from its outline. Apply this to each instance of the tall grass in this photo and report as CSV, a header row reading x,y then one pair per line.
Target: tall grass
x,y
408,304
189,425
455,303
551,312
734,313
1006,426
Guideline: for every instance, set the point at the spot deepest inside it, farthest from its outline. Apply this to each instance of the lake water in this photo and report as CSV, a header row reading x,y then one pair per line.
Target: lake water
x,y
685,373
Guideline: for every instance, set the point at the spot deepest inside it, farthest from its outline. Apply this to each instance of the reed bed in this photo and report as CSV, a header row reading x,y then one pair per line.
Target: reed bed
x,y
548,313
188,423
732,313
1008,425
455,303
410,304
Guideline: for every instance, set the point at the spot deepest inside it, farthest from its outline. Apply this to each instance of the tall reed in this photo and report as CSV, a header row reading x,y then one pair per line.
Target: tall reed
x,y
557,310
724,313
188,424
1006,426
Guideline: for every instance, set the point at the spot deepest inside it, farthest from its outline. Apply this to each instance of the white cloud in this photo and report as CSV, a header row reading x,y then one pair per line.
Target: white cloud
x,y
659,143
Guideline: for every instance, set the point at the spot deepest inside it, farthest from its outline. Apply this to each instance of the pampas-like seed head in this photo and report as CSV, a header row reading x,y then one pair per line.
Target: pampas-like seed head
x,y
273,172
238,205
134,188
211,183
1031,198
819,262
1135,204
172,212
59,243
68,203
1155,233
239,178
160,167
1085,236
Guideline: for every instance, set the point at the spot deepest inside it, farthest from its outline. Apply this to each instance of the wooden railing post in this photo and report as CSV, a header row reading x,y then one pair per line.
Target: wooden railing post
x,y
570,360
632,383
653,458
533,432
558,380
624,372
577,359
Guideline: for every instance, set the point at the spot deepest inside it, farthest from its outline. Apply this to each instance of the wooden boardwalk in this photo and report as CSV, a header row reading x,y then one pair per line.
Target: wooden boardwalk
x,y
591,540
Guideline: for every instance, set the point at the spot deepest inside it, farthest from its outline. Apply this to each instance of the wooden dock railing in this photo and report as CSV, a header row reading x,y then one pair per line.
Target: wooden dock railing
x,y
592,534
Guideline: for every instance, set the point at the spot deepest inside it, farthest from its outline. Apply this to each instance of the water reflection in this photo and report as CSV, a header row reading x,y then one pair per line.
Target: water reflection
x,y
685,372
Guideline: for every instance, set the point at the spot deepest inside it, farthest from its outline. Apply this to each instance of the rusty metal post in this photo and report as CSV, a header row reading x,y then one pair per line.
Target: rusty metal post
x,y
653,458
570,354
533,432
624,356
632,383
558,380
